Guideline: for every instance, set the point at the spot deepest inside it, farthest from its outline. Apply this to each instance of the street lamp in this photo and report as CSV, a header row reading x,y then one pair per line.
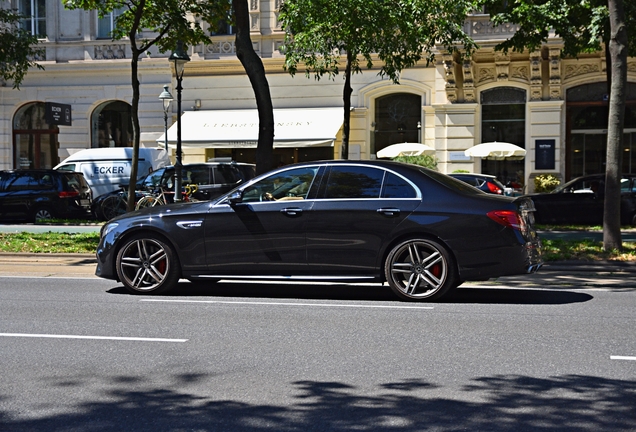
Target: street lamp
x,y
166,97
179,57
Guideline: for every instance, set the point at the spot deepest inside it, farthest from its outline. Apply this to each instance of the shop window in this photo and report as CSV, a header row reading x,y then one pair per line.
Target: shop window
x,y
587,114
112,125
503,119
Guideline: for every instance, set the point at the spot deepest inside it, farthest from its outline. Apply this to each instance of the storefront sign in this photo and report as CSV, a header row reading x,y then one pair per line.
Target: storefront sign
x,y
57,113
545,154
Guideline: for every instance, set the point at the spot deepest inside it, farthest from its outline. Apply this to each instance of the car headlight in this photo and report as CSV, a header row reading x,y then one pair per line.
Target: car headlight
x,y
107,228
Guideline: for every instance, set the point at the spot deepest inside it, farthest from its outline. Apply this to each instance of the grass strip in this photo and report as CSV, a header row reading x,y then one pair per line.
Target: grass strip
x,y
49,242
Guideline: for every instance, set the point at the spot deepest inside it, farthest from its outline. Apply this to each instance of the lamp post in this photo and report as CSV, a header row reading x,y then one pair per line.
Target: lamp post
x,y
179,57
166,98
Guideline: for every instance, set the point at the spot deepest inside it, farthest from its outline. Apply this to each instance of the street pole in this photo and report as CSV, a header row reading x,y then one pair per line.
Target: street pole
x,y
179,57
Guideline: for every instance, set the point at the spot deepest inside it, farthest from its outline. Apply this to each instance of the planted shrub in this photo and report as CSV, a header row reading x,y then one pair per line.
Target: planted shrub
x,y
545,183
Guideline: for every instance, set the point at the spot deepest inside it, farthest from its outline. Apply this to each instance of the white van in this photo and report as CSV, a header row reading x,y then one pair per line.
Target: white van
x,y
107,168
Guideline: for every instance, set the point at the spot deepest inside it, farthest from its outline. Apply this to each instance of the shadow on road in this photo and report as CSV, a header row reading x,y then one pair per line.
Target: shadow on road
x,y
370,292
495,403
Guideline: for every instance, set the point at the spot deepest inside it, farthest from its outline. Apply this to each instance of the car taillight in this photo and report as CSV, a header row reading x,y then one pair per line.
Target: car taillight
x,y
509,218
494,188
68,194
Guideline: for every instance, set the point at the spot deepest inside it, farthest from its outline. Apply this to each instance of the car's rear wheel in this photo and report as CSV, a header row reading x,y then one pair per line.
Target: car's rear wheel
x,y
146,264
42,213
421,269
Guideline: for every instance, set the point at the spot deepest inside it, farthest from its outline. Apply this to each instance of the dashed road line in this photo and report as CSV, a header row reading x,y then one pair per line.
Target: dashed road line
x,y
54,336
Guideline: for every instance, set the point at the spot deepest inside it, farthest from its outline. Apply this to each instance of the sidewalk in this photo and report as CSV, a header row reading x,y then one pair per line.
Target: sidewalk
x,y
565,274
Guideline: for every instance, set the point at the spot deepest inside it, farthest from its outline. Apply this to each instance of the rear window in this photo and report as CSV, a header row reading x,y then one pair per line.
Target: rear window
x,y
452,183
74,182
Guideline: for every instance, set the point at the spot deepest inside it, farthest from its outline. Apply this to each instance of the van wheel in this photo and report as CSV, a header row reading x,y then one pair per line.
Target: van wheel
x,y
42,213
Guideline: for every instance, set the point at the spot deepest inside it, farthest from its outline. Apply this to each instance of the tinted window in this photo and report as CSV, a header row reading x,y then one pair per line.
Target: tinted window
x,y
43,181
397,187
354,182
289,184
152,180
21,182
226,174
198,175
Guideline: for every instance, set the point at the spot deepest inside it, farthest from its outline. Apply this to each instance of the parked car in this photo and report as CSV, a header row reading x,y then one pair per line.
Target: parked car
x,y
484,182
581,201
212,179
422,231
29,195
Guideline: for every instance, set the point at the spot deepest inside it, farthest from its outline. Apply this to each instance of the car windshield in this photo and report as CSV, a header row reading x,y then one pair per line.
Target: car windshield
x,y
579,185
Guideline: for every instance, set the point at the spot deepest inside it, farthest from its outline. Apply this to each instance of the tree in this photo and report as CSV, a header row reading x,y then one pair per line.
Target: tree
x,y
256,73
17,48
169,21
323,33
584,26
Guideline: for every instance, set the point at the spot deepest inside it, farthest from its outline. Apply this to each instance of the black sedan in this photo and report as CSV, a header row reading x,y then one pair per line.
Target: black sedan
x,y
422,231
581,201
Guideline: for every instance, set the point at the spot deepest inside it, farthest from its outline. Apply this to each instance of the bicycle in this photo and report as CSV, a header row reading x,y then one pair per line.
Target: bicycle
x,y
160,198
115,205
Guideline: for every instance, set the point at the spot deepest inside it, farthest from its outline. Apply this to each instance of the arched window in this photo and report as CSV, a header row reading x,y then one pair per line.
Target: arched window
x,y
112,125
398,119
34,140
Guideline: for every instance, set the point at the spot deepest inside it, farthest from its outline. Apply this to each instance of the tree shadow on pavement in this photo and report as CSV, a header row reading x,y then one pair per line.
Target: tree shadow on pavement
x,y
367,292
510,403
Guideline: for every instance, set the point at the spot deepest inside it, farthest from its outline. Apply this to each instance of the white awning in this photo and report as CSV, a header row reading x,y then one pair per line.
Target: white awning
x,y
293,127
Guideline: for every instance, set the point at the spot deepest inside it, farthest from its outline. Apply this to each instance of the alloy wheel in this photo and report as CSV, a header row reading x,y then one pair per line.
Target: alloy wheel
x,y
419,269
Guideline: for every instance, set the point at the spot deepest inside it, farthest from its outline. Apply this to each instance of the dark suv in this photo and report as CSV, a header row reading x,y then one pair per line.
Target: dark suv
x,y
213,179
43,194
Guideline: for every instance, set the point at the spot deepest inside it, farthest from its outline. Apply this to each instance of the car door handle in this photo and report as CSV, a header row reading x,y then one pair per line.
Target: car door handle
x,y
391,212
292,211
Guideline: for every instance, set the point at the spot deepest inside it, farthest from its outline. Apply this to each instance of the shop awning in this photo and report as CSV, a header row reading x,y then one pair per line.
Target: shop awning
x,y
293,127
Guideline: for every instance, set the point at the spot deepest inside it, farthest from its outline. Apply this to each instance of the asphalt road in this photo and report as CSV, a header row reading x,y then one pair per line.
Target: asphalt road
x,y
81,354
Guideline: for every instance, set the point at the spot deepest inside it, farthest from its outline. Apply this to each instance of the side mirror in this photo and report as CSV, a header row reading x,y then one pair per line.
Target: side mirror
x,y
235,197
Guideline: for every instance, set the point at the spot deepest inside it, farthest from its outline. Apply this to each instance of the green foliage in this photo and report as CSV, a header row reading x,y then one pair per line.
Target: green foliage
x,y
400,35
168,20
460,171
583,26
545,183
426,161
18,49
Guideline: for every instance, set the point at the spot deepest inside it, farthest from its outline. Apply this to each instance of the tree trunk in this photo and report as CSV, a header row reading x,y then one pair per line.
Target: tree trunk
x,y
256,73
616,119
346,98
134,66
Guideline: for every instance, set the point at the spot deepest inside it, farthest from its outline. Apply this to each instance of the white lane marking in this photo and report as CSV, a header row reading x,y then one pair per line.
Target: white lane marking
x,y
288,304
632,358
53,336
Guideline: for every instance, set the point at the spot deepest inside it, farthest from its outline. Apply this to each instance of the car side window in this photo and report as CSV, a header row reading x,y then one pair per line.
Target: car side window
x,y
199,175
292,184
43,181
354,182
225,174
396,187
20,182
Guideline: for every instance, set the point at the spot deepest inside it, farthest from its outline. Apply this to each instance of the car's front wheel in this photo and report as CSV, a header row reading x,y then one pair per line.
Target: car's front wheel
x,y
146,264
421,269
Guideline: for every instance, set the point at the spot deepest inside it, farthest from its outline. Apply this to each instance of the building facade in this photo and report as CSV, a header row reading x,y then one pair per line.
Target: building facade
x,y
554,108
